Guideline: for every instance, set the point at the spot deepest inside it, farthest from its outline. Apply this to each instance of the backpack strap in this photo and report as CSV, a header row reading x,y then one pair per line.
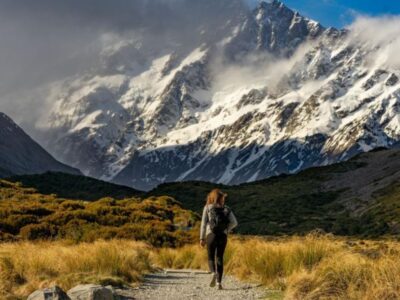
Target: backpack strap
x,y
228,210
208,211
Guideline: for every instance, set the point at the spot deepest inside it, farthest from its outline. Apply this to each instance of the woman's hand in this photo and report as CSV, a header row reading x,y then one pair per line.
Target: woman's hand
x,y
202,243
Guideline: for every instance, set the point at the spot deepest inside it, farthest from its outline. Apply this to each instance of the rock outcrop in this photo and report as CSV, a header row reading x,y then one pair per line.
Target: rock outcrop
x,y
54,293
80,292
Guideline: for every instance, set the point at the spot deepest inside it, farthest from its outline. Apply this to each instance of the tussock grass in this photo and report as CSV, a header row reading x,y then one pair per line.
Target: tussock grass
x,y
310,267
255,259
27,266
349,276
189,256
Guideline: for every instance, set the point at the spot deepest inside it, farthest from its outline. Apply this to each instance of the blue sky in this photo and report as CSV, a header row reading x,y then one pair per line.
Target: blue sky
x,y
339,13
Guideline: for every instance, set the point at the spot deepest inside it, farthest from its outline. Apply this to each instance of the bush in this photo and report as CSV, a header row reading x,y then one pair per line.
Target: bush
x,y
41,231
71,205
16,222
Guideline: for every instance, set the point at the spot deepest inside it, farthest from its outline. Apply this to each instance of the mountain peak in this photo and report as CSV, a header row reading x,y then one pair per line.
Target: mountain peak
x,y
281,29
278,8
7,124
274,5
5,118
266,3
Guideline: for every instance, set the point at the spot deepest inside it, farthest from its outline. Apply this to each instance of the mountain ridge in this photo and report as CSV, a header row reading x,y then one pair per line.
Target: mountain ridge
x,y
277,94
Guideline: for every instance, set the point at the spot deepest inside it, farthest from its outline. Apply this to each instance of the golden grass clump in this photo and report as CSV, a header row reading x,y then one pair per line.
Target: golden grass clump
x,y
311,267
26,266
189,256
348,275
255,259
271,262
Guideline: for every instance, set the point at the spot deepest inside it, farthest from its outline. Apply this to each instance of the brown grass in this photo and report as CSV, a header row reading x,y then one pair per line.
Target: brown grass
x,y
27,266
311,267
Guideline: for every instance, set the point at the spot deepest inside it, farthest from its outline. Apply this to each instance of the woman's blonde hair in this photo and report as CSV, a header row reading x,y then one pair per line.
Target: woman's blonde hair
x,y
216,196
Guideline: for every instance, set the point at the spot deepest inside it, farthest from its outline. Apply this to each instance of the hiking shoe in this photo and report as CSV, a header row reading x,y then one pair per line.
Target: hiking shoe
x,y
219,286
214,278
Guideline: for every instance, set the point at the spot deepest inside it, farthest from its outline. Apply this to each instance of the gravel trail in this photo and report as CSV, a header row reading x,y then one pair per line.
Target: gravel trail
x,y
194,284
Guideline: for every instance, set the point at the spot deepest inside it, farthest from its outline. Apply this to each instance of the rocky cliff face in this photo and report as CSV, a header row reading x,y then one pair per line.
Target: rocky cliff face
x,y
19,154
277,94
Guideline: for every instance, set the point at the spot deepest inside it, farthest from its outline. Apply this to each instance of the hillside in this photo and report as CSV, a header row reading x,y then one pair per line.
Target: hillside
x,y
74,186
357,197
20,154
28,215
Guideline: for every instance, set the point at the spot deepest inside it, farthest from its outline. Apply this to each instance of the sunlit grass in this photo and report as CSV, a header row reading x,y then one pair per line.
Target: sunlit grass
x,y
310,267
26,266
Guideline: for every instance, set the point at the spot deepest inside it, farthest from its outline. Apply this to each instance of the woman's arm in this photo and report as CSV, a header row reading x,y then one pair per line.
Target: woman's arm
x,y
232,221
204,221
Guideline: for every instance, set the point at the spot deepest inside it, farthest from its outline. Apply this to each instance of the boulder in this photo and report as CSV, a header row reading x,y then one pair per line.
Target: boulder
x,y
54,293
91,292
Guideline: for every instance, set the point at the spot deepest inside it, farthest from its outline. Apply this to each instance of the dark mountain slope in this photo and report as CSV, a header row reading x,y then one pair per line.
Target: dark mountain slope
x,y
5,173
20,154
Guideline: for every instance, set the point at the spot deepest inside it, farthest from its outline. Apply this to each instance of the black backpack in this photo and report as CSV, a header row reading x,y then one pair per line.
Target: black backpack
x,y
218,218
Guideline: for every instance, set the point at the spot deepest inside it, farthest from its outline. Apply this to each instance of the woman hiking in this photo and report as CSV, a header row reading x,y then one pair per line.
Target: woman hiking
x,y
217,221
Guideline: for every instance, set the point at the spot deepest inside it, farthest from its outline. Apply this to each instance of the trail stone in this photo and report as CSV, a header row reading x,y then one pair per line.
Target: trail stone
x,y
92,292
54,293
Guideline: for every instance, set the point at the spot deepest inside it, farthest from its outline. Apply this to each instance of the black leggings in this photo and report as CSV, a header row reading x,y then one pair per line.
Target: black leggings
x,y
216,247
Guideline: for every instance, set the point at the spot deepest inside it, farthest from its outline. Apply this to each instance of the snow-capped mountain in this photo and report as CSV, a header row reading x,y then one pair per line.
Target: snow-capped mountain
x,y
19,154
277,94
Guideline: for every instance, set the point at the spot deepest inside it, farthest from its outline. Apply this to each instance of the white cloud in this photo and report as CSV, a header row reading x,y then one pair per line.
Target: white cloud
x,y
380,36
257,70
45,40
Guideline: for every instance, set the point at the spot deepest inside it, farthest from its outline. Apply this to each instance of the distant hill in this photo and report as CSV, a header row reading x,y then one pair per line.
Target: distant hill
x,y
20,154
74,186
357,197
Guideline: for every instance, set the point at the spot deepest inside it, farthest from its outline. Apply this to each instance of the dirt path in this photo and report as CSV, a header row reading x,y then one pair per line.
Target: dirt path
x,y
194,284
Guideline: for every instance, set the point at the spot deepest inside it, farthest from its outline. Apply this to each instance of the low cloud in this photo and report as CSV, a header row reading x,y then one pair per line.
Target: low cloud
x,y
380,36
46,40
256,70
